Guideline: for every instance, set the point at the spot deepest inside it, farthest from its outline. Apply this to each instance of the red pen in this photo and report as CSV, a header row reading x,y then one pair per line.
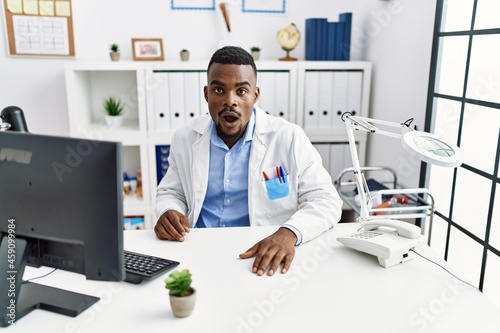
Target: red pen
x,y
266,177
278,173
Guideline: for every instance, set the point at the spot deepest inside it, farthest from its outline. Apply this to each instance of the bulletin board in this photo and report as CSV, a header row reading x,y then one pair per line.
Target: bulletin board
x,y
39,27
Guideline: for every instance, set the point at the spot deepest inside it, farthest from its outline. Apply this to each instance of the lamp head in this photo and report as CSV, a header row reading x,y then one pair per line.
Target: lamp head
x,y
431,149
13,119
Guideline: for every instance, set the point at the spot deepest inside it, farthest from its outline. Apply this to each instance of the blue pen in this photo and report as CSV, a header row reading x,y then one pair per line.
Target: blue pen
x,y
283,174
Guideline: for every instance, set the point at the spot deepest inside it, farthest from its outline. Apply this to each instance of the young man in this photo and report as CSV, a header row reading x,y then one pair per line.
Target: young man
x,y
242,167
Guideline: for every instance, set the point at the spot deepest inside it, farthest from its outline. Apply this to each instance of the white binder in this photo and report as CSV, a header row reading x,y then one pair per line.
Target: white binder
x,y
265,81
339,99
325,103
161,106
191,95
324,151
337,159
282,95
176,99
201,95
311,100
354,87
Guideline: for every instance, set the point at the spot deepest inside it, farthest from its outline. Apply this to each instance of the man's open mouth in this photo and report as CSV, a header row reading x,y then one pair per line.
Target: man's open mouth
x,y
230,119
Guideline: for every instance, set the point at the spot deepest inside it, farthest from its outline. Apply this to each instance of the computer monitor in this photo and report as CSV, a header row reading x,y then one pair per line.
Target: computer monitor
x,y
60,206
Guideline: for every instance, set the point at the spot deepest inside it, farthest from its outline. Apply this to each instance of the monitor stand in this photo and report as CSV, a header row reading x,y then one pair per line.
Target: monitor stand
x,y
19,298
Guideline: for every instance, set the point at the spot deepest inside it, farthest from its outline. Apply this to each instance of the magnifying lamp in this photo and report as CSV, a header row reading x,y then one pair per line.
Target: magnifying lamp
x,y
389,239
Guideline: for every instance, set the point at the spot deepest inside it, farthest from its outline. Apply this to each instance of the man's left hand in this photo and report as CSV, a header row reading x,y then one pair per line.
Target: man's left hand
x,y
272,251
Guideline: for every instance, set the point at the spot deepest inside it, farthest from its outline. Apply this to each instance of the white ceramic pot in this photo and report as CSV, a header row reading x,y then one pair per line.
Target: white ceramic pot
x,y
183,306
114,121
115,56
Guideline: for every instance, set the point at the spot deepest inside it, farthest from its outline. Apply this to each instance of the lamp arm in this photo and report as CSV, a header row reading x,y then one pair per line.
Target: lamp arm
x,y
358,175
365,124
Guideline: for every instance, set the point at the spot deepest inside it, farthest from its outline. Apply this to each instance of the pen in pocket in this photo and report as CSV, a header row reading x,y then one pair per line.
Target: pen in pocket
x,y
283,175
266,177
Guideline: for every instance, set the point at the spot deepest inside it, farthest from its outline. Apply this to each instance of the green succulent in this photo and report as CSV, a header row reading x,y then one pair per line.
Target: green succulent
x,y
113,106
114,47
179,282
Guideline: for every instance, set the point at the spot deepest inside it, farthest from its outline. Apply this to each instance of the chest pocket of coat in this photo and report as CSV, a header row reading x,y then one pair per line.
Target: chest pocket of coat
x,y
278,200
276,189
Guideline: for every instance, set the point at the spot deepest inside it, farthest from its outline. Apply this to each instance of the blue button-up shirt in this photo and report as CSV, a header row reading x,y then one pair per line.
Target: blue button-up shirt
x,y
226,201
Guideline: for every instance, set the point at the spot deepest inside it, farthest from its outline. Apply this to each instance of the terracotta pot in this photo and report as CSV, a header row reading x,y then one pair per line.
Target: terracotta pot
x,y
183,306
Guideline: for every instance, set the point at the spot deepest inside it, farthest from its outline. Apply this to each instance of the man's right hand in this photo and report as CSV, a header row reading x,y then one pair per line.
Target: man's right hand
x,y
172,225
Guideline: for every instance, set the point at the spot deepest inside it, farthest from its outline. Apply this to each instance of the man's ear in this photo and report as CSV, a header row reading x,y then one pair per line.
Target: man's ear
x,y
257,94
205,93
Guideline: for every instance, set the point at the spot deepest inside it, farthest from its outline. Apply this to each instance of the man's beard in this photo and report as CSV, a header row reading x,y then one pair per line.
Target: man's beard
x,y
231,138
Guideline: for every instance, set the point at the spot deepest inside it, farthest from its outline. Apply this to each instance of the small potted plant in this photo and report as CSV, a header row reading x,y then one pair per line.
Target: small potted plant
x,y
184,55
114,111
255,50
114,52
182,295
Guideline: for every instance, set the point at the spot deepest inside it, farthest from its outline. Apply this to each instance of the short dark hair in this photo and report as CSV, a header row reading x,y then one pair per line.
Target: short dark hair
x,y
233,55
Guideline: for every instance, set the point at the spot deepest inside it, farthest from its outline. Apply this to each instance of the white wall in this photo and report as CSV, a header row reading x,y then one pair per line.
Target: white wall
x,y
395,35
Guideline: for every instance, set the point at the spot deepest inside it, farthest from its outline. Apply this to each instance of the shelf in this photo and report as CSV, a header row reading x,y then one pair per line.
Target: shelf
x,y
146,89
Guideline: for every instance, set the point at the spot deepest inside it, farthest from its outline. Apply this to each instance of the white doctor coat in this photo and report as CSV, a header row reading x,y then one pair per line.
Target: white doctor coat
x,y
312,205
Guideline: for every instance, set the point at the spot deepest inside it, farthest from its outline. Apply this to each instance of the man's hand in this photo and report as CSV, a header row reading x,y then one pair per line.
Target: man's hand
x,y
172,225
272,251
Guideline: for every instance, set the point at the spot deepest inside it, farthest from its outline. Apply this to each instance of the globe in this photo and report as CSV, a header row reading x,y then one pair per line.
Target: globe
x,y
288,39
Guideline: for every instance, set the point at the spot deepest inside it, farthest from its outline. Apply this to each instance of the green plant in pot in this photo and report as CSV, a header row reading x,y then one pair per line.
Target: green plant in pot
x,y
255,50
114,111
114,52
182,295
184,54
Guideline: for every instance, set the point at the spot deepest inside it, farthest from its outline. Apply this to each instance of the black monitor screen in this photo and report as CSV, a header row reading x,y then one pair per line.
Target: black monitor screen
x,y
61,202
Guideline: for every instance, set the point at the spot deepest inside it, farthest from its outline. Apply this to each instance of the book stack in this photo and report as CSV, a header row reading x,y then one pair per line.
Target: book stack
x,y
328,40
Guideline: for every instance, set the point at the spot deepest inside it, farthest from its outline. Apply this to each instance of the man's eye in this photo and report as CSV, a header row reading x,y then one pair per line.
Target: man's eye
x,y
218,90
242,91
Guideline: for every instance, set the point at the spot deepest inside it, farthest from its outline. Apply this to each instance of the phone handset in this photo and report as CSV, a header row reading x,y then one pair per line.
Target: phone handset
x,y
404,229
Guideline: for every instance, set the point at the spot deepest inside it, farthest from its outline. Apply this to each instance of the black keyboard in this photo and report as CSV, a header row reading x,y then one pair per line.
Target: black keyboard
x,y
141,266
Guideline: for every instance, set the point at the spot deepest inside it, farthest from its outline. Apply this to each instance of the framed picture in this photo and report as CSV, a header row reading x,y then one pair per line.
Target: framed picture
x,y
264,6
147,49
192,4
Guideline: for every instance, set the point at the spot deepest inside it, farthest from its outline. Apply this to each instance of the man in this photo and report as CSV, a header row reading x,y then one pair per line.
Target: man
x,y
240,167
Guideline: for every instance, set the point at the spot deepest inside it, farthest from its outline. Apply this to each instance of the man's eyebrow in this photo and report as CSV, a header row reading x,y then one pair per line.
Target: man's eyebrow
x,y
239,84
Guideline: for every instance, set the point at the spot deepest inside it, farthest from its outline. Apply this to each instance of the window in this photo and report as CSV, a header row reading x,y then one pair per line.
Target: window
x,y
464,107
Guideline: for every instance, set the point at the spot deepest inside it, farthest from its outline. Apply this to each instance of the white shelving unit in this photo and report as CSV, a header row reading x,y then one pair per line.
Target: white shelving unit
x,y
145,88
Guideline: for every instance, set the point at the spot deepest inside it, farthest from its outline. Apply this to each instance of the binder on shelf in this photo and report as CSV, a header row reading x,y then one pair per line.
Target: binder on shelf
x,y
282,94
324,151
339,98
339,40
354,87
321,42
328,40
345,47
160,103
192,102
162,154
338,161
311,100
331,40
310,39
266,84
325,87
176,99
202,82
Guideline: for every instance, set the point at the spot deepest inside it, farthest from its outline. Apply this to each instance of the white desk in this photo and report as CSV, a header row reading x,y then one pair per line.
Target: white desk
x,y
329,288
